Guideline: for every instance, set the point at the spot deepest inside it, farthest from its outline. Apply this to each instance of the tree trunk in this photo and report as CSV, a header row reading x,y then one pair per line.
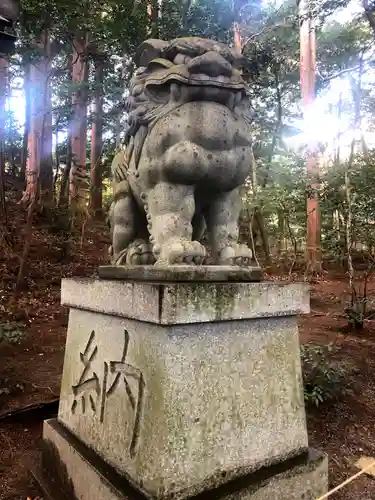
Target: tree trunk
x,y
237,37
282,243
337,149
32,161
153,13
3,87
307,77
262,226
26,86
63,197
57,158
13,149
258,225
46,162
64,185
39,161
77,194
356,88
97,141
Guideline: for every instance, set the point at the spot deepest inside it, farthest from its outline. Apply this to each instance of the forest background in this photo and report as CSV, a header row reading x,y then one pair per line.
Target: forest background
x,y
65,119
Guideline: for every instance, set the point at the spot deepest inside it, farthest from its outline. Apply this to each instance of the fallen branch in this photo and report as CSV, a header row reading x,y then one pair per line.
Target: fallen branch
x,y
347,481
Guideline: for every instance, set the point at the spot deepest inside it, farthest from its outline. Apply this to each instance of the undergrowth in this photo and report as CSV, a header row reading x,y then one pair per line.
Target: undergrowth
x,y
12,332
323,378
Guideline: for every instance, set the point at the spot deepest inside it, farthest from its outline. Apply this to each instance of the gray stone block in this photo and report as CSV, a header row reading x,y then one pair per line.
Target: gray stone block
x,y
71,470
181,273
182,303
180,409
66,472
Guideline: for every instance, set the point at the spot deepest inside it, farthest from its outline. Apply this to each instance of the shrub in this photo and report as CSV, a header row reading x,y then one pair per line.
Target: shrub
x,y
323,379
12,333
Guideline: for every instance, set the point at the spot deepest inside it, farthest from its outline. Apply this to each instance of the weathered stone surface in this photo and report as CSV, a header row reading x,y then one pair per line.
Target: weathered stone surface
x,y
179,409
182,303
188,151
81,475
64,469
305,481
181,273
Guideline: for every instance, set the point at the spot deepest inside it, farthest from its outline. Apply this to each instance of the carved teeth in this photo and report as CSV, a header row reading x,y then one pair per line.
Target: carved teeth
x,y
238,99
175,91
230,102
185,93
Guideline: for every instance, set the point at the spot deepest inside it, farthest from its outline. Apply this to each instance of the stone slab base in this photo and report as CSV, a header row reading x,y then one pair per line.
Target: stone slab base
x,y
181,273
71,471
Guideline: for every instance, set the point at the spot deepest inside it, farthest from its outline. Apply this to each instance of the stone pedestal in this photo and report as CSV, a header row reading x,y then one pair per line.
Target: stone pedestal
x,y
173,389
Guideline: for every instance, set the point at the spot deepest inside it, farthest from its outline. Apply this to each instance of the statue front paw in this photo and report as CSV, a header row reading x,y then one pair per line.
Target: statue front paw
x,y
180,251
138,253
235,255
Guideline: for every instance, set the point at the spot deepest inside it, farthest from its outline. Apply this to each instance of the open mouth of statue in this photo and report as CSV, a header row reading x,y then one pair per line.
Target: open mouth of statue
x,y
220,90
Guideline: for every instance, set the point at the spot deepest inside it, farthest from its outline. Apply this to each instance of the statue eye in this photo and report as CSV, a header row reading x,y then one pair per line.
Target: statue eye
x,y
179,59
137,90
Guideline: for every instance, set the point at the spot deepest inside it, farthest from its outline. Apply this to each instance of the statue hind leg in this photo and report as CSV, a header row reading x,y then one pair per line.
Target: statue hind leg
x,y
128,230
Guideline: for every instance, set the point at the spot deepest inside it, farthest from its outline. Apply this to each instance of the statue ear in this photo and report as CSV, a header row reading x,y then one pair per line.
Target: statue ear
x,y
239,60
149,50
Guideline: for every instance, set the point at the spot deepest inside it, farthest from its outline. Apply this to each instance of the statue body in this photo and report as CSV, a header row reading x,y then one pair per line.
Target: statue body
x,y
188,151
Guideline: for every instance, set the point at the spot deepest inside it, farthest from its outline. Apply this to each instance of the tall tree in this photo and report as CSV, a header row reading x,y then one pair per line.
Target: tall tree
x,y
39,164
97,137
3,87
307,74
77,195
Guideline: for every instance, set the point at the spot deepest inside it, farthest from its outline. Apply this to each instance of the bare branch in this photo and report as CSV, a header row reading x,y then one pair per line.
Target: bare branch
x,y
265,30
342,72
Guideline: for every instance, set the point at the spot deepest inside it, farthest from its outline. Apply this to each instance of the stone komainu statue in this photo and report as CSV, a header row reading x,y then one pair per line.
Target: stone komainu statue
x,y
188,151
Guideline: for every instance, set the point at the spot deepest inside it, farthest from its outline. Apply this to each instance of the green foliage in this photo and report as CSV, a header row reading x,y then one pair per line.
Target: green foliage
x,y
12,332
333,201
323,379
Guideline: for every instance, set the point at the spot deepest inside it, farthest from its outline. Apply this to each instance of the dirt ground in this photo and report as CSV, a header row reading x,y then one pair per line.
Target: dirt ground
x,y
31,370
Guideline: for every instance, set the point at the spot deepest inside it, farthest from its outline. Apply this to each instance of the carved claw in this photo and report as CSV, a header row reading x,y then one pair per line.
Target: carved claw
x,y
140,253
235,255
137,253
180,252
119,259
